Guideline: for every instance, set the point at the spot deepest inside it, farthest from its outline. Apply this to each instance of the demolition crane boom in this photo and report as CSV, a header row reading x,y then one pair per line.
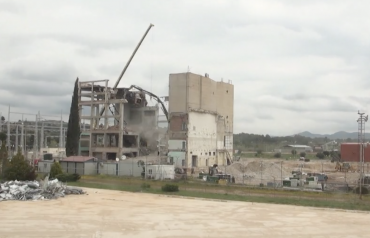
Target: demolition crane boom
x,y
132,56
128,63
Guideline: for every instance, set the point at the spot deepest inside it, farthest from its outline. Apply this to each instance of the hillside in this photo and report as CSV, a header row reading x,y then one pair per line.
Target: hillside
x,y
337,135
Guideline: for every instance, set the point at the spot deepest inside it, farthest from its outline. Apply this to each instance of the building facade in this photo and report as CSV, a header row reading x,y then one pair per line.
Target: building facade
x,y
201,115
120,121
350,152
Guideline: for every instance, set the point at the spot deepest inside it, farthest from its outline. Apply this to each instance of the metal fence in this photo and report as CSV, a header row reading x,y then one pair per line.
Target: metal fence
x,y
253,173
273,174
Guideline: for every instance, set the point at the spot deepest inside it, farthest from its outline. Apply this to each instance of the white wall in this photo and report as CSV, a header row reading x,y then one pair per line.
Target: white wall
x,y
202,139
44,166
177,157
129,168
176,144
108,169
90,168
161,171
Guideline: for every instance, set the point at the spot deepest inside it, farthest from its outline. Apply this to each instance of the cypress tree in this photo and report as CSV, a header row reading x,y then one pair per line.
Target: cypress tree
x,y
3,153
73,131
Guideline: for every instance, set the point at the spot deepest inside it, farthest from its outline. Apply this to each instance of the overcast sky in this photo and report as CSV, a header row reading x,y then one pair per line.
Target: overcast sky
x,y
296,65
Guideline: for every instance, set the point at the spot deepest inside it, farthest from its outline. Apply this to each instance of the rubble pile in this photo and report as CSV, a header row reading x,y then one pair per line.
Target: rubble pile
x,y
34,190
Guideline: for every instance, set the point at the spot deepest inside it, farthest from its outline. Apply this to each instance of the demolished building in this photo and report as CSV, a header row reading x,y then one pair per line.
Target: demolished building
x,y
121,124
201,115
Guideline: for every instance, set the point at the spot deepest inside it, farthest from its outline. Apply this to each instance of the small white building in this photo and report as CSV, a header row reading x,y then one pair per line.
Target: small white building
x,y
160,172
298,148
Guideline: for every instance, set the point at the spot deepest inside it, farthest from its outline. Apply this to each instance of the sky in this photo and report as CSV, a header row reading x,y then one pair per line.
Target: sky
x,y
295,65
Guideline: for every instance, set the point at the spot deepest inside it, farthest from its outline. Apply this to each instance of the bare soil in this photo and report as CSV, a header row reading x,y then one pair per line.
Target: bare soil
x,y
107,213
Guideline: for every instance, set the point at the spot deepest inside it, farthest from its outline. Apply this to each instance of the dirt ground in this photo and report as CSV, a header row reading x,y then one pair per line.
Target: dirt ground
x,y
279,169
109,214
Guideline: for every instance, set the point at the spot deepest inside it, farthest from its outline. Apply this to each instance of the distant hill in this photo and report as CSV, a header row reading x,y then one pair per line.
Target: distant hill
x,y
336,135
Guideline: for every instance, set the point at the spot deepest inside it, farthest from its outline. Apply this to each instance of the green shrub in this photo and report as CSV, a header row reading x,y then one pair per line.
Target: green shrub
x,y
302,154
55,170
19,169
145,186
320,155
170,188
68,177
277,155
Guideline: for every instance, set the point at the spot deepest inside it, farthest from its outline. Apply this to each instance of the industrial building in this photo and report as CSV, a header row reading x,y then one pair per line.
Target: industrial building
x,y
121,124
350,152
201,115
297,148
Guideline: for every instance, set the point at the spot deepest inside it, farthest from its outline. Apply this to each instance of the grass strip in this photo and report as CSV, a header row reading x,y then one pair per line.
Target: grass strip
x,y
347,204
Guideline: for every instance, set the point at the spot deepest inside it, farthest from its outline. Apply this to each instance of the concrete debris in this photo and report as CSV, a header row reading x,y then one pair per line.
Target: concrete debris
x,y
34,190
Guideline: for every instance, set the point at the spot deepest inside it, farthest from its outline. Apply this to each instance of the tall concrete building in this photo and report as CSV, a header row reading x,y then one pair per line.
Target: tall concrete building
x,y
201,115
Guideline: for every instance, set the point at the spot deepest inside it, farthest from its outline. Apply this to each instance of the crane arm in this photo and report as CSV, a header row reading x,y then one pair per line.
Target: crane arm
x,y
128,63
132,56
152,95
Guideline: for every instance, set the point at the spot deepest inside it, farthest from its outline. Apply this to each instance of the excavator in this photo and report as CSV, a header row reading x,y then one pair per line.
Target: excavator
x,y
343,167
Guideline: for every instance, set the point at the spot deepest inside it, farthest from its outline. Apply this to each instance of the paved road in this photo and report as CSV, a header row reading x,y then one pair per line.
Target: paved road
x,y
109,214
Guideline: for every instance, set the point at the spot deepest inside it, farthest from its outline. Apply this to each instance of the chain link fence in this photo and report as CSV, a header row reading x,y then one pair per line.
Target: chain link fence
x,y
296,175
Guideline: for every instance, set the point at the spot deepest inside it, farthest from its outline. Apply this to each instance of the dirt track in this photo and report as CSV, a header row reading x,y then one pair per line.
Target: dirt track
x,y
109,214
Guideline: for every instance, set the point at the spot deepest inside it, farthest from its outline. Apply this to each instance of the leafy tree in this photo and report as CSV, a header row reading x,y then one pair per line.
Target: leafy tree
x,y
55,170
73,132
2,118
294,152
326,153
320,155
19,169
302,154
3,137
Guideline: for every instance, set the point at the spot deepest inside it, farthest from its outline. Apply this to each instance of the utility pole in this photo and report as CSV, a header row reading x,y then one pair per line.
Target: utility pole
x,y
22,138
361,139
61,131
16,138
261,174
42,135
281,173
35,147
9,131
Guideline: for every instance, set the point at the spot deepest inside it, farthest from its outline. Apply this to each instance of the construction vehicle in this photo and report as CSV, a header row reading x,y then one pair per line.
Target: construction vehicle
x,y
343,167
214,175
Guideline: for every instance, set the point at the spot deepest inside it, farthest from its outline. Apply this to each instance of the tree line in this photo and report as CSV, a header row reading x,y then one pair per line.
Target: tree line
x,y
266,142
